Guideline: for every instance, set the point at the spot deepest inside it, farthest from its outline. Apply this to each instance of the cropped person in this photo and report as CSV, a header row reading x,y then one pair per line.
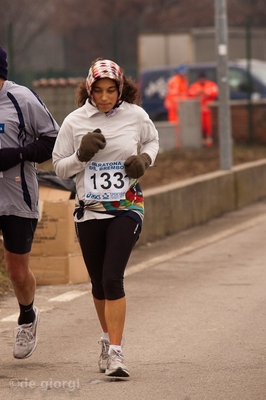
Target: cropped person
x,y
108,143
177,90
27,135
206,91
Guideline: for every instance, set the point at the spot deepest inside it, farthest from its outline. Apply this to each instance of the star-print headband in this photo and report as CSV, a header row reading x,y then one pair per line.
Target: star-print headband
x,y
105,69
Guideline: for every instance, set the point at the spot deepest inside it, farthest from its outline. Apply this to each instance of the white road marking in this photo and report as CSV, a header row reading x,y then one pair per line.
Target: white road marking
x,y
63,297
10,318
68,296
14,317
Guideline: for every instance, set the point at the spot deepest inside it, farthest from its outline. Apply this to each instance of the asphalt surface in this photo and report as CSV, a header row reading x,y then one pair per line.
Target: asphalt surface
x,y
195,326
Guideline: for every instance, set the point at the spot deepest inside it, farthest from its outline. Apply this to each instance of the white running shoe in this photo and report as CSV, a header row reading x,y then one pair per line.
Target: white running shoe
x,y
116,366
104,354
26,338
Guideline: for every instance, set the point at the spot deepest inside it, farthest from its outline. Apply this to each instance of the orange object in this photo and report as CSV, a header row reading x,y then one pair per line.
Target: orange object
x,y
206,91
177,90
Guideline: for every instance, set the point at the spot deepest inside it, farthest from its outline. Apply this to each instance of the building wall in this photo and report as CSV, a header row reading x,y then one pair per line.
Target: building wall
x,y
205,44
196,45
156,50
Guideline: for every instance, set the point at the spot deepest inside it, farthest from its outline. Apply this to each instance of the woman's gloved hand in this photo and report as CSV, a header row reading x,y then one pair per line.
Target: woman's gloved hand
x,y
136,166
90,144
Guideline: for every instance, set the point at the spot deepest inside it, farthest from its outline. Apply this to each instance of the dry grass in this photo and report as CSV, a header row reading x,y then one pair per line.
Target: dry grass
x,y
179,164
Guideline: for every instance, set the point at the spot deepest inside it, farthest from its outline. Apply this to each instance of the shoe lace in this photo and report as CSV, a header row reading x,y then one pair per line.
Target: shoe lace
x,y
24,334
117,356
105,347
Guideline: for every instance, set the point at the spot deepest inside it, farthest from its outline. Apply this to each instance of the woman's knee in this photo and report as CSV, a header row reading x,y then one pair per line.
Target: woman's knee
x,y
98,292
113,288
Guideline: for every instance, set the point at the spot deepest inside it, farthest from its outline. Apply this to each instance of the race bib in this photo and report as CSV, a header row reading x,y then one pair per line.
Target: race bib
x,y
106,181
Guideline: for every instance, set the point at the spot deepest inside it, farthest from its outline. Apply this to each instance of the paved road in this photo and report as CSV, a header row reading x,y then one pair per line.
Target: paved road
x,y
195,327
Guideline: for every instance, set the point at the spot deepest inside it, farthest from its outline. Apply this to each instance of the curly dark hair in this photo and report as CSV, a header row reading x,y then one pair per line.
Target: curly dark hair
x,y
130,92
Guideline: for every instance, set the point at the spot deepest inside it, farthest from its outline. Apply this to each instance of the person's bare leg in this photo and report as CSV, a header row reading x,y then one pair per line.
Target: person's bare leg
x,y
22,278
111,314
24,285
100,309
115,313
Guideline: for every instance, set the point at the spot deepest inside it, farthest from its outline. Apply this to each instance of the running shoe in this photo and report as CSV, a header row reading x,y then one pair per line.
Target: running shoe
x,y
26,338
104,354
116,366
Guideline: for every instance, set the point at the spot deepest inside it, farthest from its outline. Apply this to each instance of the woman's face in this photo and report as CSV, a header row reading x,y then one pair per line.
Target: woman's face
x,y
105,94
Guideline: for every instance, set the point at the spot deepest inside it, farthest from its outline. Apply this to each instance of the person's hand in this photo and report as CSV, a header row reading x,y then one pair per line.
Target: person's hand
x,y
90,144
136,166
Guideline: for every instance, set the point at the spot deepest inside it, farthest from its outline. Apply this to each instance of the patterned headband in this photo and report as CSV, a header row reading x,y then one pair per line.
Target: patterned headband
x,y
105,69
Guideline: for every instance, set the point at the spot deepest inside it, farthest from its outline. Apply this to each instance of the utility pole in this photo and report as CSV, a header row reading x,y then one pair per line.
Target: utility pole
x,y
250,84
225,139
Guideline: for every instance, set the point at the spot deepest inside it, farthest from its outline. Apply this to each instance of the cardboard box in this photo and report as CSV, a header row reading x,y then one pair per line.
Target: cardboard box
x,y
59,270
55,234
56,256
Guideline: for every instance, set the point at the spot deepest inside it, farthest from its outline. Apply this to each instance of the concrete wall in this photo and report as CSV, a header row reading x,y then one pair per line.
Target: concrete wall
x,y
178,206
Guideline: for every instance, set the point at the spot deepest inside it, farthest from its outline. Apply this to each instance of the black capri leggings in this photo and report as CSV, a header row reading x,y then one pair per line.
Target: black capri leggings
x,y
106,245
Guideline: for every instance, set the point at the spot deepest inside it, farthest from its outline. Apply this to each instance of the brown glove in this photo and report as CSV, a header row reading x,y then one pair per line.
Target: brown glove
x,y
90,144
135,166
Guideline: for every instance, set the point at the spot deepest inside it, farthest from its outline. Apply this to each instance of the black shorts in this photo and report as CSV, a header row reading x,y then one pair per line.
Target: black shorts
x,y
17,233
